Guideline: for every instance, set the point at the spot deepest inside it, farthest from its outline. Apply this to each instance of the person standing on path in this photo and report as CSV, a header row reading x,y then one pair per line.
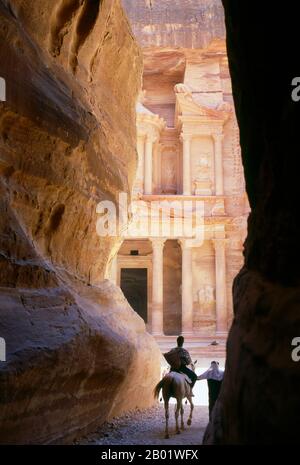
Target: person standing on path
x,y
214,377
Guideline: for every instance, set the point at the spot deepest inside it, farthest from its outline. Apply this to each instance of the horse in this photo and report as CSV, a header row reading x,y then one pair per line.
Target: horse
x,y
175,385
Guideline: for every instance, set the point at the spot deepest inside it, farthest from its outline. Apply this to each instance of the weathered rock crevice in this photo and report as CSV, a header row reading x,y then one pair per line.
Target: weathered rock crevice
x,y
76,352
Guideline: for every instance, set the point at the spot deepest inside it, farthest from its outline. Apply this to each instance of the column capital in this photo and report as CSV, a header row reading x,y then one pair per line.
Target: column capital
x,y
151,138
219,243
218,136
185,243
186,137
158,243
141,136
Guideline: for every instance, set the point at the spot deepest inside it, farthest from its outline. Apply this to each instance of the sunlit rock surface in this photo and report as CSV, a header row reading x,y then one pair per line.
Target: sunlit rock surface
x,y
76,352
176,23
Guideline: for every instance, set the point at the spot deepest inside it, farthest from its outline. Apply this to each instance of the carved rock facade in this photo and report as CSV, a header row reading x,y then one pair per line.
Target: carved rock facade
x,y
76,352
189,158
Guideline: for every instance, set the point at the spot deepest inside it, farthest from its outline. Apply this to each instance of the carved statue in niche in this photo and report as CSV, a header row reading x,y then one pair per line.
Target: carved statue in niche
x,y
170,174
206,298
202,182
204,166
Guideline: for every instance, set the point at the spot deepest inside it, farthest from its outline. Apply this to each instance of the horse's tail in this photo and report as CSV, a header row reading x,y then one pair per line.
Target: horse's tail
x,y
158,387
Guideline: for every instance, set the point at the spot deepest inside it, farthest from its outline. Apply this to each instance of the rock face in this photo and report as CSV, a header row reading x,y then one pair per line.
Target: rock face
x,y
77,354
259,401
176,23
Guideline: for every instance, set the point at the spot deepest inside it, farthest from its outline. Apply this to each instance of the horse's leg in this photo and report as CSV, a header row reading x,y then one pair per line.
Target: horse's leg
x,y
181,414
178,407
190,399
167,418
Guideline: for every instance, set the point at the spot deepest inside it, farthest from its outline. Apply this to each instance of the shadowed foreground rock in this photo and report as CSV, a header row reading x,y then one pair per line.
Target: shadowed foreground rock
x,y
77,354
259,401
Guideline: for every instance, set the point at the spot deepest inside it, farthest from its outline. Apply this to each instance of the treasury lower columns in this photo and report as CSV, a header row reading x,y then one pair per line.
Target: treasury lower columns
x,y
221,300
157,286
187,288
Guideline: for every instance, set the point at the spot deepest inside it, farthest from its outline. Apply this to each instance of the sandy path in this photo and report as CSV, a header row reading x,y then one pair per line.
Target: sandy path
x,y
147,427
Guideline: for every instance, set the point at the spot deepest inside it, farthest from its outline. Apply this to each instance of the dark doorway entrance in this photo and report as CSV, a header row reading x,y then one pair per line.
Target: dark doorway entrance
x,y
134,287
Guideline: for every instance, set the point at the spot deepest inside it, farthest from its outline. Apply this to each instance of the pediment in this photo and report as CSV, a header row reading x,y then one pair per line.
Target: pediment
x,y
187,107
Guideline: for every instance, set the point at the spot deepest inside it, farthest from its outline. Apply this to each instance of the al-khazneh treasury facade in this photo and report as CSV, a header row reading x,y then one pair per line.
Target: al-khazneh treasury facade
x,y
188,151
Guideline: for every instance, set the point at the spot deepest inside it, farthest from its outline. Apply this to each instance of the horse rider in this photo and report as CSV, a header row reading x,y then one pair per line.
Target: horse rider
x,y
185,359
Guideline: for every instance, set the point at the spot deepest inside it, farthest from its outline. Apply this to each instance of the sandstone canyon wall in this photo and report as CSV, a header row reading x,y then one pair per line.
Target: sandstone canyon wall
x,y
76,352
259,401
176,23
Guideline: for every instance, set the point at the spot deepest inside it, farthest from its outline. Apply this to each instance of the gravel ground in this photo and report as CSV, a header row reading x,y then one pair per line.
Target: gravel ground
x,y
147,427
